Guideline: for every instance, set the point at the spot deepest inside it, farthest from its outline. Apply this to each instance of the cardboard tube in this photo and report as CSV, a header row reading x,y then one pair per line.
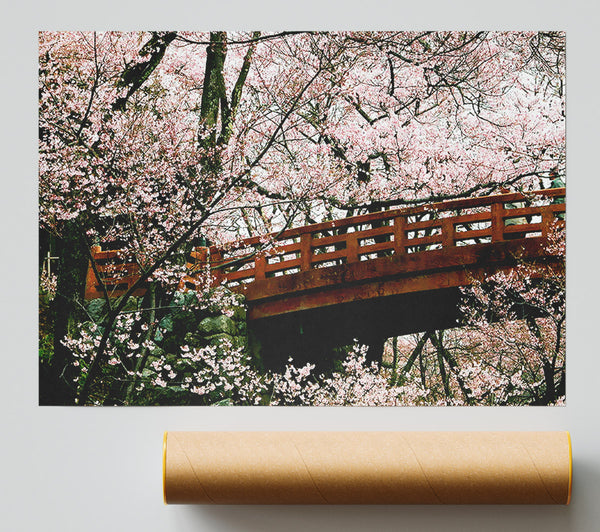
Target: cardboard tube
x,y
367,467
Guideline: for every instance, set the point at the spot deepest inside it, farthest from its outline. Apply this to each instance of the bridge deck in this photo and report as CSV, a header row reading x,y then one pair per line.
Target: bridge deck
x,y
387,276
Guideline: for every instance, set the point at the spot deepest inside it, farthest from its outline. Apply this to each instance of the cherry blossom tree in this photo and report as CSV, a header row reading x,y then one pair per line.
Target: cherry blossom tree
x,y
153,142
511,347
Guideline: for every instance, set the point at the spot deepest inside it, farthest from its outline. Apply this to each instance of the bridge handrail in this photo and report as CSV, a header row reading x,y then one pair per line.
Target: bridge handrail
x,y
463,203
508,218
347,240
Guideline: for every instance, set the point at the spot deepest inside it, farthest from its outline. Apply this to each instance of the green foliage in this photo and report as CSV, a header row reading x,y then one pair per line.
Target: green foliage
x,y
46,329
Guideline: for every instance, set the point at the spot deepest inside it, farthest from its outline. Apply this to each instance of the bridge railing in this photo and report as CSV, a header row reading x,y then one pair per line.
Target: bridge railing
x,y
117,272
441,225
410,230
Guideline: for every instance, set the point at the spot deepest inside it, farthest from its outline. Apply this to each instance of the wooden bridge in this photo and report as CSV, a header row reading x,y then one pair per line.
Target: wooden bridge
x,y
406,262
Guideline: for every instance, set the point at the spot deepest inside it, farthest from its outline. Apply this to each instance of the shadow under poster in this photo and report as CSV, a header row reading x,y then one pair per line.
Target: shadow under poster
x,y
302,218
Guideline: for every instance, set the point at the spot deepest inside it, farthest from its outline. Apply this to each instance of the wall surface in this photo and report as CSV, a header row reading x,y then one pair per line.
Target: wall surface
x,y
97,469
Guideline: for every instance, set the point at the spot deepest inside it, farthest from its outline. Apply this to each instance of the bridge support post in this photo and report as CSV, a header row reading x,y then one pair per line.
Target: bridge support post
x,y
260,263
547,219
497,221
399,234
352,248
216,258
447,233
305,251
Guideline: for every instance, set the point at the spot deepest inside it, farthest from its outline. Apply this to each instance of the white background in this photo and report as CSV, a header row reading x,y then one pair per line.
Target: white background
x,y
98,469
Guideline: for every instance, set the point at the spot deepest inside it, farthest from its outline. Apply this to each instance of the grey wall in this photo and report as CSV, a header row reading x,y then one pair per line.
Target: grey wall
x,y
97,469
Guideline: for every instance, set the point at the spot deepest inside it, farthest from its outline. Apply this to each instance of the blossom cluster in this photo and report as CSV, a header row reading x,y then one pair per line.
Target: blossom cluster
x,y
48,284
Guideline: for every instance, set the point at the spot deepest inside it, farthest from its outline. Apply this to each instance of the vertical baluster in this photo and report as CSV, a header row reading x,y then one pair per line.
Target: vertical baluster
x,y
216,258
547,219
200,257
447,232
399,234
305,251
497,221
351,247
260,263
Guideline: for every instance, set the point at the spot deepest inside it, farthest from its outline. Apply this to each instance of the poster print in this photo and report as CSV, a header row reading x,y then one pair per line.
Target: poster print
x,y
302,218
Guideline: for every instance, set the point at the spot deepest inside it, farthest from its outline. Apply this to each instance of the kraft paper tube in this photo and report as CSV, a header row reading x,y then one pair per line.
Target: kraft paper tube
x,y
367,467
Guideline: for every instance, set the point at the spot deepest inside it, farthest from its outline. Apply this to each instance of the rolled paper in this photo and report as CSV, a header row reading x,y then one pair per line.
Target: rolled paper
x,y
367,467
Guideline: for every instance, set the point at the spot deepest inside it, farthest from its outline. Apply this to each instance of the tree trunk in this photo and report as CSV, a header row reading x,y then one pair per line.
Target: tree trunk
x,y
57,386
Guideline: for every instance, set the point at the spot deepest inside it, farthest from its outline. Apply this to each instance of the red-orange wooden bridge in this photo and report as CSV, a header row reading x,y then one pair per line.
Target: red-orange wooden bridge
x,y
391,261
